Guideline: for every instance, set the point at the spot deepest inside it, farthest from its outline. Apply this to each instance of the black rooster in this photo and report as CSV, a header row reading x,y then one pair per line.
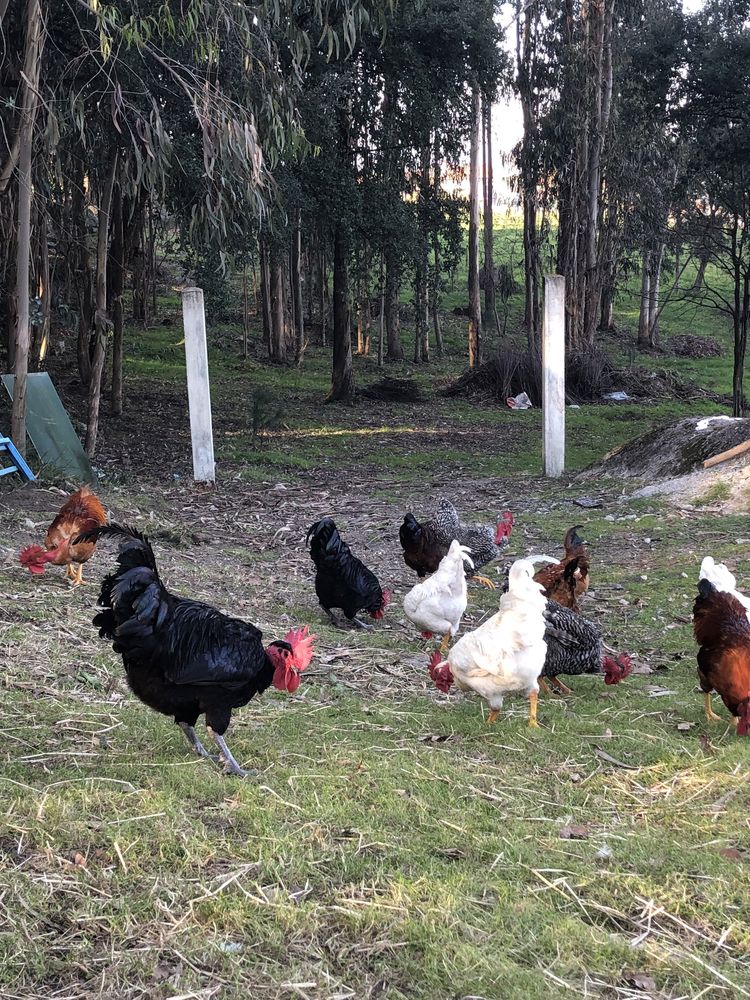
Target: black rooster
x,y
184,658
341,580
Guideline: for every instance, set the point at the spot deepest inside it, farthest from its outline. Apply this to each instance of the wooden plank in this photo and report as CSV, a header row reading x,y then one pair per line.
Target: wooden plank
x,y
724,456
199,390
553,376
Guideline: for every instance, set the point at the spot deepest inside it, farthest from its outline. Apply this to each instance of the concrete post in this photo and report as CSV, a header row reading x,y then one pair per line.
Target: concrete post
x,y
199,392
553,375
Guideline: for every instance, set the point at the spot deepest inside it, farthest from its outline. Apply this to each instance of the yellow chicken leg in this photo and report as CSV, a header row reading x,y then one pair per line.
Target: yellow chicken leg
x,y
485,581
69,571
533,698
492,717
78,575
445,643
710,714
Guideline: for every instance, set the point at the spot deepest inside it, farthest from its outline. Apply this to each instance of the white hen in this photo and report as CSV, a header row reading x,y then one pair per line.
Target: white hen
x,y
436,606
719,575
507,652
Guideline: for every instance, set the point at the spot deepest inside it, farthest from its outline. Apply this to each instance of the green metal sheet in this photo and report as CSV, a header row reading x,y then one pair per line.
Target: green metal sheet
x,y
50,429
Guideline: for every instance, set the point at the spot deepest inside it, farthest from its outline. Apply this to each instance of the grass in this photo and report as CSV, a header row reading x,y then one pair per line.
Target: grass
x,y
393,845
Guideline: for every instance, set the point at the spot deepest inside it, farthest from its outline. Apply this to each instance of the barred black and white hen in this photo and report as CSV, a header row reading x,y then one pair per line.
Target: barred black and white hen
x,y
485,545
574,646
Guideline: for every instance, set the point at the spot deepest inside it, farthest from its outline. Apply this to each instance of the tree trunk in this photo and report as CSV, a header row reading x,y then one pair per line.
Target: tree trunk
x,y
101,320
41,331
644,320
32,59
278,333
323,300
116,286
489,252
342,386
653,296
298,306
265,295
381,331
475,310
435,290
395,350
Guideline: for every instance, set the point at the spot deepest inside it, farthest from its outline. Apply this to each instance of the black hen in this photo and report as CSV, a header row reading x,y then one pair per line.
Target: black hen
x,y
574,646
423,549
184,658
341,580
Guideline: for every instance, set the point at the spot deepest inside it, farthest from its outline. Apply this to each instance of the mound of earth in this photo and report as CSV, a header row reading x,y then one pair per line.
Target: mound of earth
x,y
675,449
688,345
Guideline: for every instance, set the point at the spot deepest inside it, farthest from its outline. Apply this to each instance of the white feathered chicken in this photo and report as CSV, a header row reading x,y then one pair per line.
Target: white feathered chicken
x,y
719,575
506,653
437,605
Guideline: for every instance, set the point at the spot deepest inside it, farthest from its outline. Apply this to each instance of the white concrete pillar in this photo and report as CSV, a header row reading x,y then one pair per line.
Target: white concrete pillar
x,y
199,391
553,375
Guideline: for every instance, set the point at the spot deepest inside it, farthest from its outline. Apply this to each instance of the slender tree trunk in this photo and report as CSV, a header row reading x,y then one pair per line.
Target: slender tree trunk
x,y
323,300
298,310
342,387
381,331
475,311
116,286
32,59
653,296
245,311
395,350
436,276
265,295
101,320
643,316
278,333
41,332
489,262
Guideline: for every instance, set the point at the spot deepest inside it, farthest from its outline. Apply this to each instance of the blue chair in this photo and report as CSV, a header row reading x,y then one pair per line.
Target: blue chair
x,y
18,464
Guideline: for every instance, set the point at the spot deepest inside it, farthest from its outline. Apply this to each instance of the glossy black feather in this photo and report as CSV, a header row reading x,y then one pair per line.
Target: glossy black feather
x,y
341,580
182,657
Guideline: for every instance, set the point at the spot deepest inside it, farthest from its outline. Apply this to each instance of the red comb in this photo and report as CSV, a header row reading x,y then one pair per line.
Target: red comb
x,y
618,669
302,646
440,672
32,558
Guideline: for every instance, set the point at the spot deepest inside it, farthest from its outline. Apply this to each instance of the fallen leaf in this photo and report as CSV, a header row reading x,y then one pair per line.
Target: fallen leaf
x,y
79,859
451,853
639,981
732,853
573,833
613,760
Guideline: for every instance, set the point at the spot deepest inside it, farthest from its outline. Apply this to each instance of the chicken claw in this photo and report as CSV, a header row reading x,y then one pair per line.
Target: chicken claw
x,y
492,717
485,581
445,643
558,684
230,764
195,743
710,714
363,625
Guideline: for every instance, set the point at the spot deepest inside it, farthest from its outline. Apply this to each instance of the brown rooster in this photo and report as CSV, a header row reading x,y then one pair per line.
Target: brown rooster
x,y
423,548
722,632
81,512
568,579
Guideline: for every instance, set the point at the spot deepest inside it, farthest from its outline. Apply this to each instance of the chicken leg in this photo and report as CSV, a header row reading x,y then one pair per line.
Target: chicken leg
x,y
558,684
230,764
492,717
78,575
710,714
69,571
533,698
195,743
445,644
360,624
485,581
543,686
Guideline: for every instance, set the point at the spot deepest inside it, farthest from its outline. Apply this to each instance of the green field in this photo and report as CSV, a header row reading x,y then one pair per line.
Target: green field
x,y
393,845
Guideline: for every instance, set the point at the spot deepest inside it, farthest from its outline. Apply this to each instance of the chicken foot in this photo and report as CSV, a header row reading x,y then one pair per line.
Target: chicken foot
x,y
710,714
195,743
360,624
485,581
558,684
445,643
230,764
78,577
492,717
